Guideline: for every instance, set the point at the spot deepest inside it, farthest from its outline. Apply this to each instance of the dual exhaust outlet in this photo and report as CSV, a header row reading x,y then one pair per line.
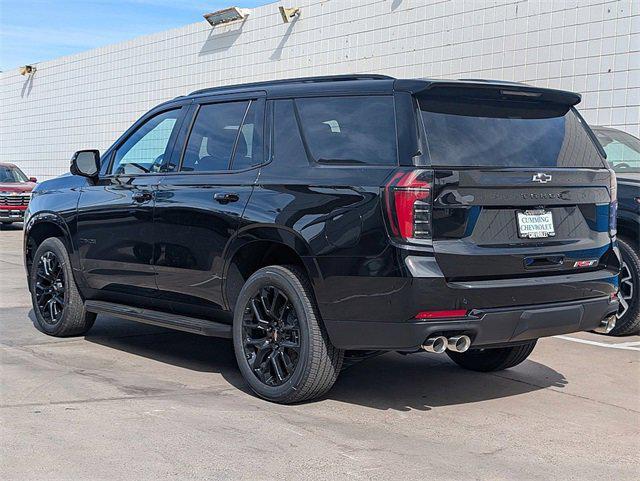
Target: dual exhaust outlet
x,y
439,344
606,325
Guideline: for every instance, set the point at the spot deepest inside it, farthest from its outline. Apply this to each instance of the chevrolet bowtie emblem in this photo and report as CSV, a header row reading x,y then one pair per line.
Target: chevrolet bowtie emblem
x,y
541,177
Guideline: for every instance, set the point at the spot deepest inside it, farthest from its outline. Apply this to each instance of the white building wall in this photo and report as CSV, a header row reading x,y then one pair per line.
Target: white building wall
x,y
87,100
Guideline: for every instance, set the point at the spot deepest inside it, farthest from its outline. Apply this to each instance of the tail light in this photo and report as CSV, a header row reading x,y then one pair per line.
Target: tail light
x,y
613,206
408,205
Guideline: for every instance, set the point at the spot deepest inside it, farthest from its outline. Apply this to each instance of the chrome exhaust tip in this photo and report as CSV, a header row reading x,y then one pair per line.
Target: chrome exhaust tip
x,y
607,325
437,344
459,343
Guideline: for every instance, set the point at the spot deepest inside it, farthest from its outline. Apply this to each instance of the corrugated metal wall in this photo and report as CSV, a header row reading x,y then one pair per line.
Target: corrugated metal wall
x,y
87,100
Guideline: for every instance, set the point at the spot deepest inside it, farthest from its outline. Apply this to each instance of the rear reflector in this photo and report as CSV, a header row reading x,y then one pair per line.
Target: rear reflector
x,y
441,314
613,206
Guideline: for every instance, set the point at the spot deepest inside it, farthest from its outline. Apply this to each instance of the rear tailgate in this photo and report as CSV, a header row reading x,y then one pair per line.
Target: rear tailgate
x,y
476,226
520,188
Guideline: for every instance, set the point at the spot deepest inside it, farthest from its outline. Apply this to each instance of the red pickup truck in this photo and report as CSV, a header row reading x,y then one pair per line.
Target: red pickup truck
x,y
15,193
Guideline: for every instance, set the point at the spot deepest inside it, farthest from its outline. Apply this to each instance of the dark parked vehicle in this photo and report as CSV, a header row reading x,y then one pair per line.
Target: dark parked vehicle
x,y
319,218
623,155
15,192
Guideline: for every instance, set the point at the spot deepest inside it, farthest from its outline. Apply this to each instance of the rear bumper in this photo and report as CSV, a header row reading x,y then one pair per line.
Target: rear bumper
x,y
486,327
373,303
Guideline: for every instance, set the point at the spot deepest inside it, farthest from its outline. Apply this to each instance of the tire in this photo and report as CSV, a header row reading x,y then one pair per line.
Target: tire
x,y
281,346
492,359
57,304
7,222
628,317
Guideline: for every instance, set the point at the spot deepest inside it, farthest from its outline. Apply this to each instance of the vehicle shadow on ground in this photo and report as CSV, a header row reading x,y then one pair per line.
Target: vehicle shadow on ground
x,y
424,381
391,381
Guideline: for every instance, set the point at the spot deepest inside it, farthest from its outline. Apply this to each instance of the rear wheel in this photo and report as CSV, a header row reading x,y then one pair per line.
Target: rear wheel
x,y
628,316
57,304
281,346
492,359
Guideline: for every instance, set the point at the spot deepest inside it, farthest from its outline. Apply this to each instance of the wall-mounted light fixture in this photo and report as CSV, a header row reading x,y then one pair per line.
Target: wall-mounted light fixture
x,y
288,14
226,15
27,70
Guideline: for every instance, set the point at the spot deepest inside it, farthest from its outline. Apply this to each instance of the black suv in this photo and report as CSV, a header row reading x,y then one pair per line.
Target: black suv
x,y
316,219
623,156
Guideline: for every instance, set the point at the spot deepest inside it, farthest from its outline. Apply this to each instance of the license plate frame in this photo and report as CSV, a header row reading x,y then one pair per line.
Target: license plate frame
x,y
535,224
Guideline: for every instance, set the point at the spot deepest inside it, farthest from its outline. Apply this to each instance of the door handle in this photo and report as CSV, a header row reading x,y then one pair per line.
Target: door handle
x,y
142,197
226,197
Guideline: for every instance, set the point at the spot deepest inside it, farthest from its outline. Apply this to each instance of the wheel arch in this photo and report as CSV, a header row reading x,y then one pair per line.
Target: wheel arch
x,y
41,226
258,247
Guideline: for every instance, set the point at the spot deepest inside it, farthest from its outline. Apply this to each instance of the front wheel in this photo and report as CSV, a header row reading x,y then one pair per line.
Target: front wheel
x,y
281,346
492,359
57,304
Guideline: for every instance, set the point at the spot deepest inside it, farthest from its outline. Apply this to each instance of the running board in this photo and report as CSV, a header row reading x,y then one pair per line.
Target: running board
x,y
162,319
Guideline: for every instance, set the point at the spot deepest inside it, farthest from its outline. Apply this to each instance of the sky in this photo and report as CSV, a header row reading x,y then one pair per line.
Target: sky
x,y
35,30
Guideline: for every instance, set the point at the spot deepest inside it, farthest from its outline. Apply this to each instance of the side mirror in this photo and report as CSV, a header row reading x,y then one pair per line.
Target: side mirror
x,y
33,179
86,163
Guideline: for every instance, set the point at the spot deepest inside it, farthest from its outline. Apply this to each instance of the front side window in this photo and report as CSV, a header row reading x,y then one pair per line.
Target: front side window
x,y
213,137
349,130
623,150
145,150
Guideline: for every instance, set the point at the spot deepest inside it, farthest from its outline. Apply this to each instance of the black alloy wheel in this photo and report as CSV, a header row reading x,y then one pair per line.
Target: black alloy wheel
x,y
283,350
628,315
271,336
50,287
625,295
57,303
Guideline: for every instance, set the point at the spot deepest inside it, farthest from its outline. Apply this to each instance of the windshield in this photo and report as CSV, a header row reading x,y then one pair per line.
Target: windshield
x,y
11,174
623,150
468,132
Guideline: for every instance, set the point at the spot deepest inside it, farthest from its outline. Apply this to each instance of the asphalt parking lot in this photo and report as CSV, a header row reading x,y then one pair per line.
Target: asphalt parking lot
x,y
130,401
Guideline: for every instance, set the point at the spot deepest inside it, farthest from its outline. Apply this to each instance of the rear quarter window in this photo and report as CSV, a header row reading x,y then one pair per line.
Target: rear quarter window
x,y
349,130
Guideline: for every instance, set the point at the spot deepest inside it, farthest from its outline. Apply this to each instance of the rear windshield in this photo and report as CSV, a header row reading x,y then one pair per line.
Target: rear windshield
x,y
496,133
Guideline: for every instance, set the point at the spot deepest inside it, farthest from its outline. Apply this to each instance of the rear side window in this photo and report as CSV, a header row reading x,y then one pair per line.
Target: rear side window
x,y
488,133
213,137
288,147
349,130
249,147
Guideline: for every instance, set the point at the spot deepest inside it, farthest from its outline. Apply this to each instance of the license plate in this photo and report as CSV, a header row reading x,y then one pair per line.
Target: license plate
x,y
535,224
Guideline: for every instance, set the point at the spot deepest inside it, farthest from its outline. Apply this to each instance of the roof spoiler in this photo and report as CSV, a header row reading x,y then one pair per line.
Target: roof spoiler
x,y
488,89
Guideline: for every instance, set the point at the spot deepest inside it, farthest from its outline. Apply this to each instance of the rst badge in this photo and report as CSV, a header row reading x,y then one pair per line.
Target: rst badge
x,y
585,263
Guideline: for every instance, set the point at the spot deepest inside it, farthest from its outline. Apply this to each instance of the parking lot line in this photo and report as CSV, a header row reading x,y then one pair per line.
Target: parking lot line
x,y
628,346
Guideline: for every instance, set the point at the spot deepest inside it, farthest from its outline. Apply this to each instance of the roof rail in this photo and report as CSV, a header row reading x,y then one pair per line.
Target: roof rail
x,y
327,78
